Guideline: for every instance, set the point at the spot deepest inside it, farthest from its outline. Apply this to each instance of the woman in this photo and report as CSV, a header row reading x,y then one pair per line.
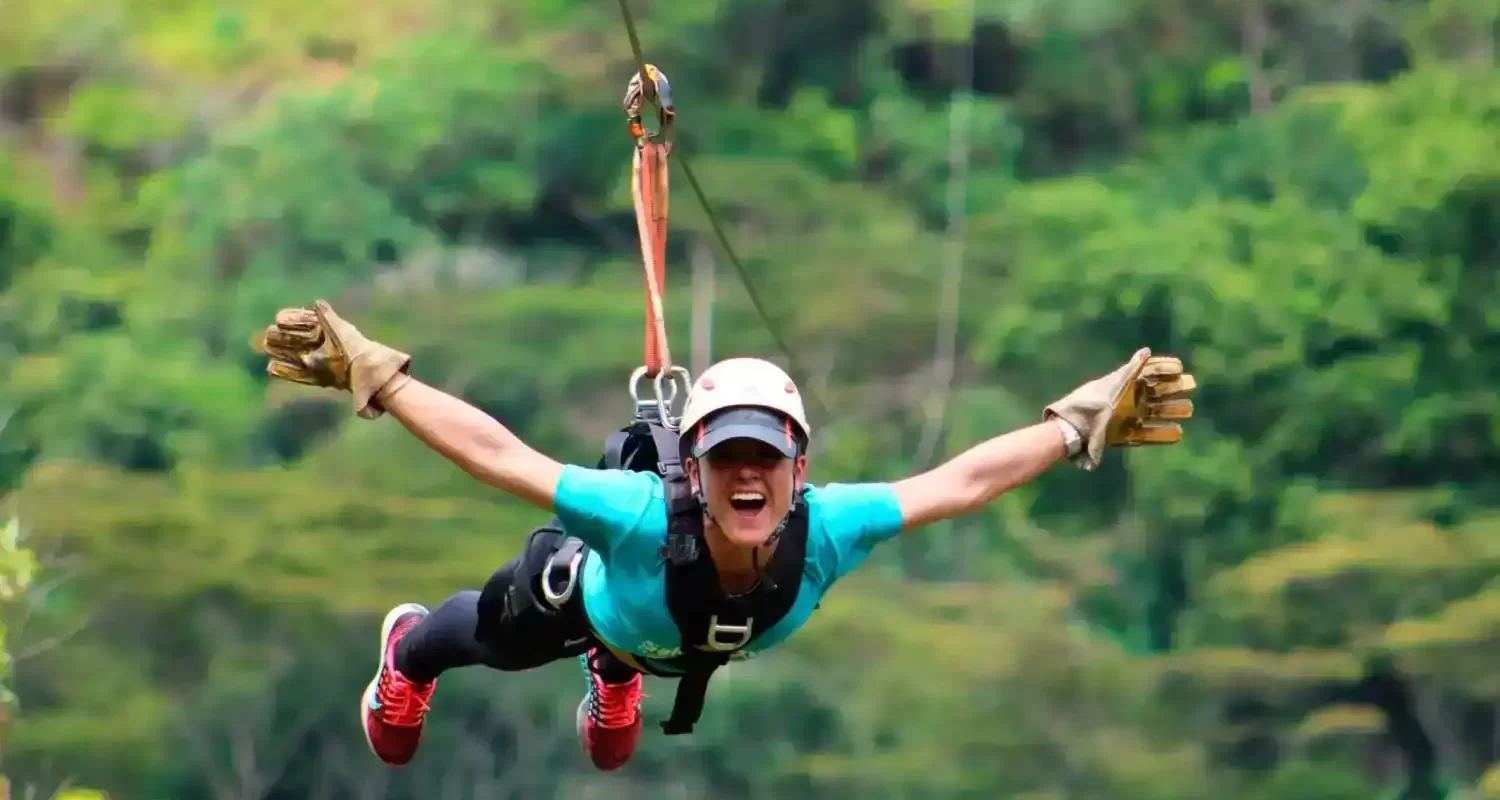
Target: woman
x,y
673,573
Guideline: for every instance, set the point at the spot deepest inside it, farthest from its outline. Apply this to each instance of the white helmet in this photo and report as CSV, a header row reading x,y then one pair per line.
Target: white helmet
x,y
748,383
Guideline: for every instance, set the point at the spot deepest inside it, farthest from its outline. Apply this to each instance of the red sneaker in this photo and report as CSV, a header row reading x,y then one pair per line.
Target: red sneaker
x,y
609,717
393,708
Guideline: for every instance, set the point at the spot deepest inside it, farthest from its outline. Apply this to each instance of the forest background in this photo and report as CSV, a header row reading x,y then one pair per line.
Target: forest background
x,y
1300,198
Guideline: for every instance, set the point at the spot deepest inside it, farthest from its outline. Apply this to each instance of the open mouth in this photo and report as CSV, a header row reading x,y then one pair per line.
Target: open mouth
x,y
747,502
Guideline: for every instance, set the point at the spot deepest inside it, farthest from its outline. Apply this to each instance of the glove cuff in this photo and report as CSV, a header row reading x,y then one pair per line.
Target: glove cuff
x,y
1072,439
1091,407
1088,423
378,370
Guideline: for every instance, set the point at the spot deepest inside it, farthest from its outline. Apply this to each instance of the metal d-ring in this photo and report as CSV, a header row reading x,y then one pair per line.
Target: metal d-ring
x,y
556,598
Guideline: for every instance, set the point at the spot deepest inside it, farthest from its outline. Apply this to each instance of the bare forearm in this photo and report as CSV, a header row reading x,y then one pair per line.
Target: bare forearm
x,y
474,441
974,478
1005,462
1011,460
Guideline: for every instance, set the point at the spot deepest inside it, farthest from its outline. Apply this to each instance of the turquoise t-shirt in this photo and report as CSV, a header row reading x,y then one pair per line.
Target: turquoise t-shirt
x,y
622,516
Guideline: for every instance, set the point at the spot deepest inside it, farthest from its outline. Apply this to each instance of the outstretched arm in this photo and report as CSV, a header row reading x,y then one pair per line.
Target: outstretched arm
x,y
318,348
474,441
974,478
1141,403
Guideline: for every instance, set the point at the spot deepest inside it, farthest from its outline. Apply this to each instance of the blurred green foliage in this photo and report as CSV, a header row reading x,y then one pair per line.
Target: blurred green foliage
x,y
1299,199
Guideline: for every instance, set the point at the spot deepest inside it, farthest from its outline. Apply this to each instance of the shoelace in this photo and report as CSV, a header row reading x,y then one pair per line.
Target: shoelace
x,y
403,703
613,705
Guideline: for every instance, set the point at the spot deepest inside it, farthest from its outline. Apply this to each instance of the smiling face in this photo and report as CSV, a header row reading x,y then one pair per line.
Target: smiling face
x,y
748,486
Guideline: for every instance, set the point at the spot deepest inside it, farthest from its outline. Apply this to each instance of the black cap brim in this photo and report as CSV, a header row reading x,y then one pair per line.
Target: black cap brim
x,y
745,423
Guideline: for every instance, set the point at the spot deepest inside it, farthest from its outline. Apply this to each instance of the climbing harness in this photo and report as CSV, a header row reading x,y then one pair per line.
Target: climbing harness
x,y
711,624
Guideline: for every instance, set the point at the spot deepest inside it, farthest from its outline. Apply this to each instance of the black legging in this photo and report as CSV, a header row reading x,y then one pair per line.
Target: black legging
x,y
446,639
474,627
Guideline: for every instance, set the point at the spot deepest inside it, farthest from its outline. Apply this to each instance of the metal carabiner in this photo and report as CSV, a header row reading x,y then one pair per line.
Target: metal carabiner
x,y
666,391
635,382
634,104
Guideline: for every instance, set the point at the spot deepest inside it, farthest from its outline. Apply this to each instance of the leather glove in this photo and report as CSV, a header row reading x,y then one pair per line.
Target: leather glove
x,y
317,347
1137,404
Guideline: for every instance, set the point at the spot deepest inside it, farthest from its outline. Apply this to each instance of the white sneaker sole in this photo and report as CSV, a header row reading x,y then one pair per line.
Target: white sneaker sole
x,y
580,719
391,618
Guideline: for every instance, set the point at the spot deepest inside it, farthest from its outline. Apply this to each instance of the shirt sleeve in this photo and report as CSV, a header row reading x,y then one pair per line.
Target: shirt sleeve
x,y
855,517
603,507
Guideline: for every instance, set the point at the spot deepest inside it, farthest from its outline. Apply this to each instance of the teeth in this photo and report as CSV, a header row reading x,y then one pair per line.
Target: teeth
x,y
747,496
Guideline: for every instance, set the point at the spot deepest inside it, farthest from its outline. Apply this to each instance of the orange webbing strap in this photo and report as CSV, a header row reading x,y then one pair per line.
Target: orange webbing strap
x,y
648,189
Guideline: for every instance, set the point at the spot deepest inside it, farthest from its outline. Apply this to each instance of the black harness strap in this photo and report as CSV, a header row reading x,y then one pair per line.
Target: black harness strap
x,y
625,449
687,704
614,449
712,624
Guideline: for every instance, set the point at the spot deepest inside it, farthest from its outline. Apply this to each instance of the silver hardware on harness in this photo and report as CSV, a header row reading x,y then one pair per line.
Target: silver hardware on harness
x,y
742,632
666,391
558,598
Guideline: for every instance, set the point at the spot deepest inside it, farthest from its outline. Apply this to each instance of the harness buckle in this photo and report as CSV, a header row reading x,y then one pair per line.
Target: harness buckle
x,y
680,549
741,632
557,599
